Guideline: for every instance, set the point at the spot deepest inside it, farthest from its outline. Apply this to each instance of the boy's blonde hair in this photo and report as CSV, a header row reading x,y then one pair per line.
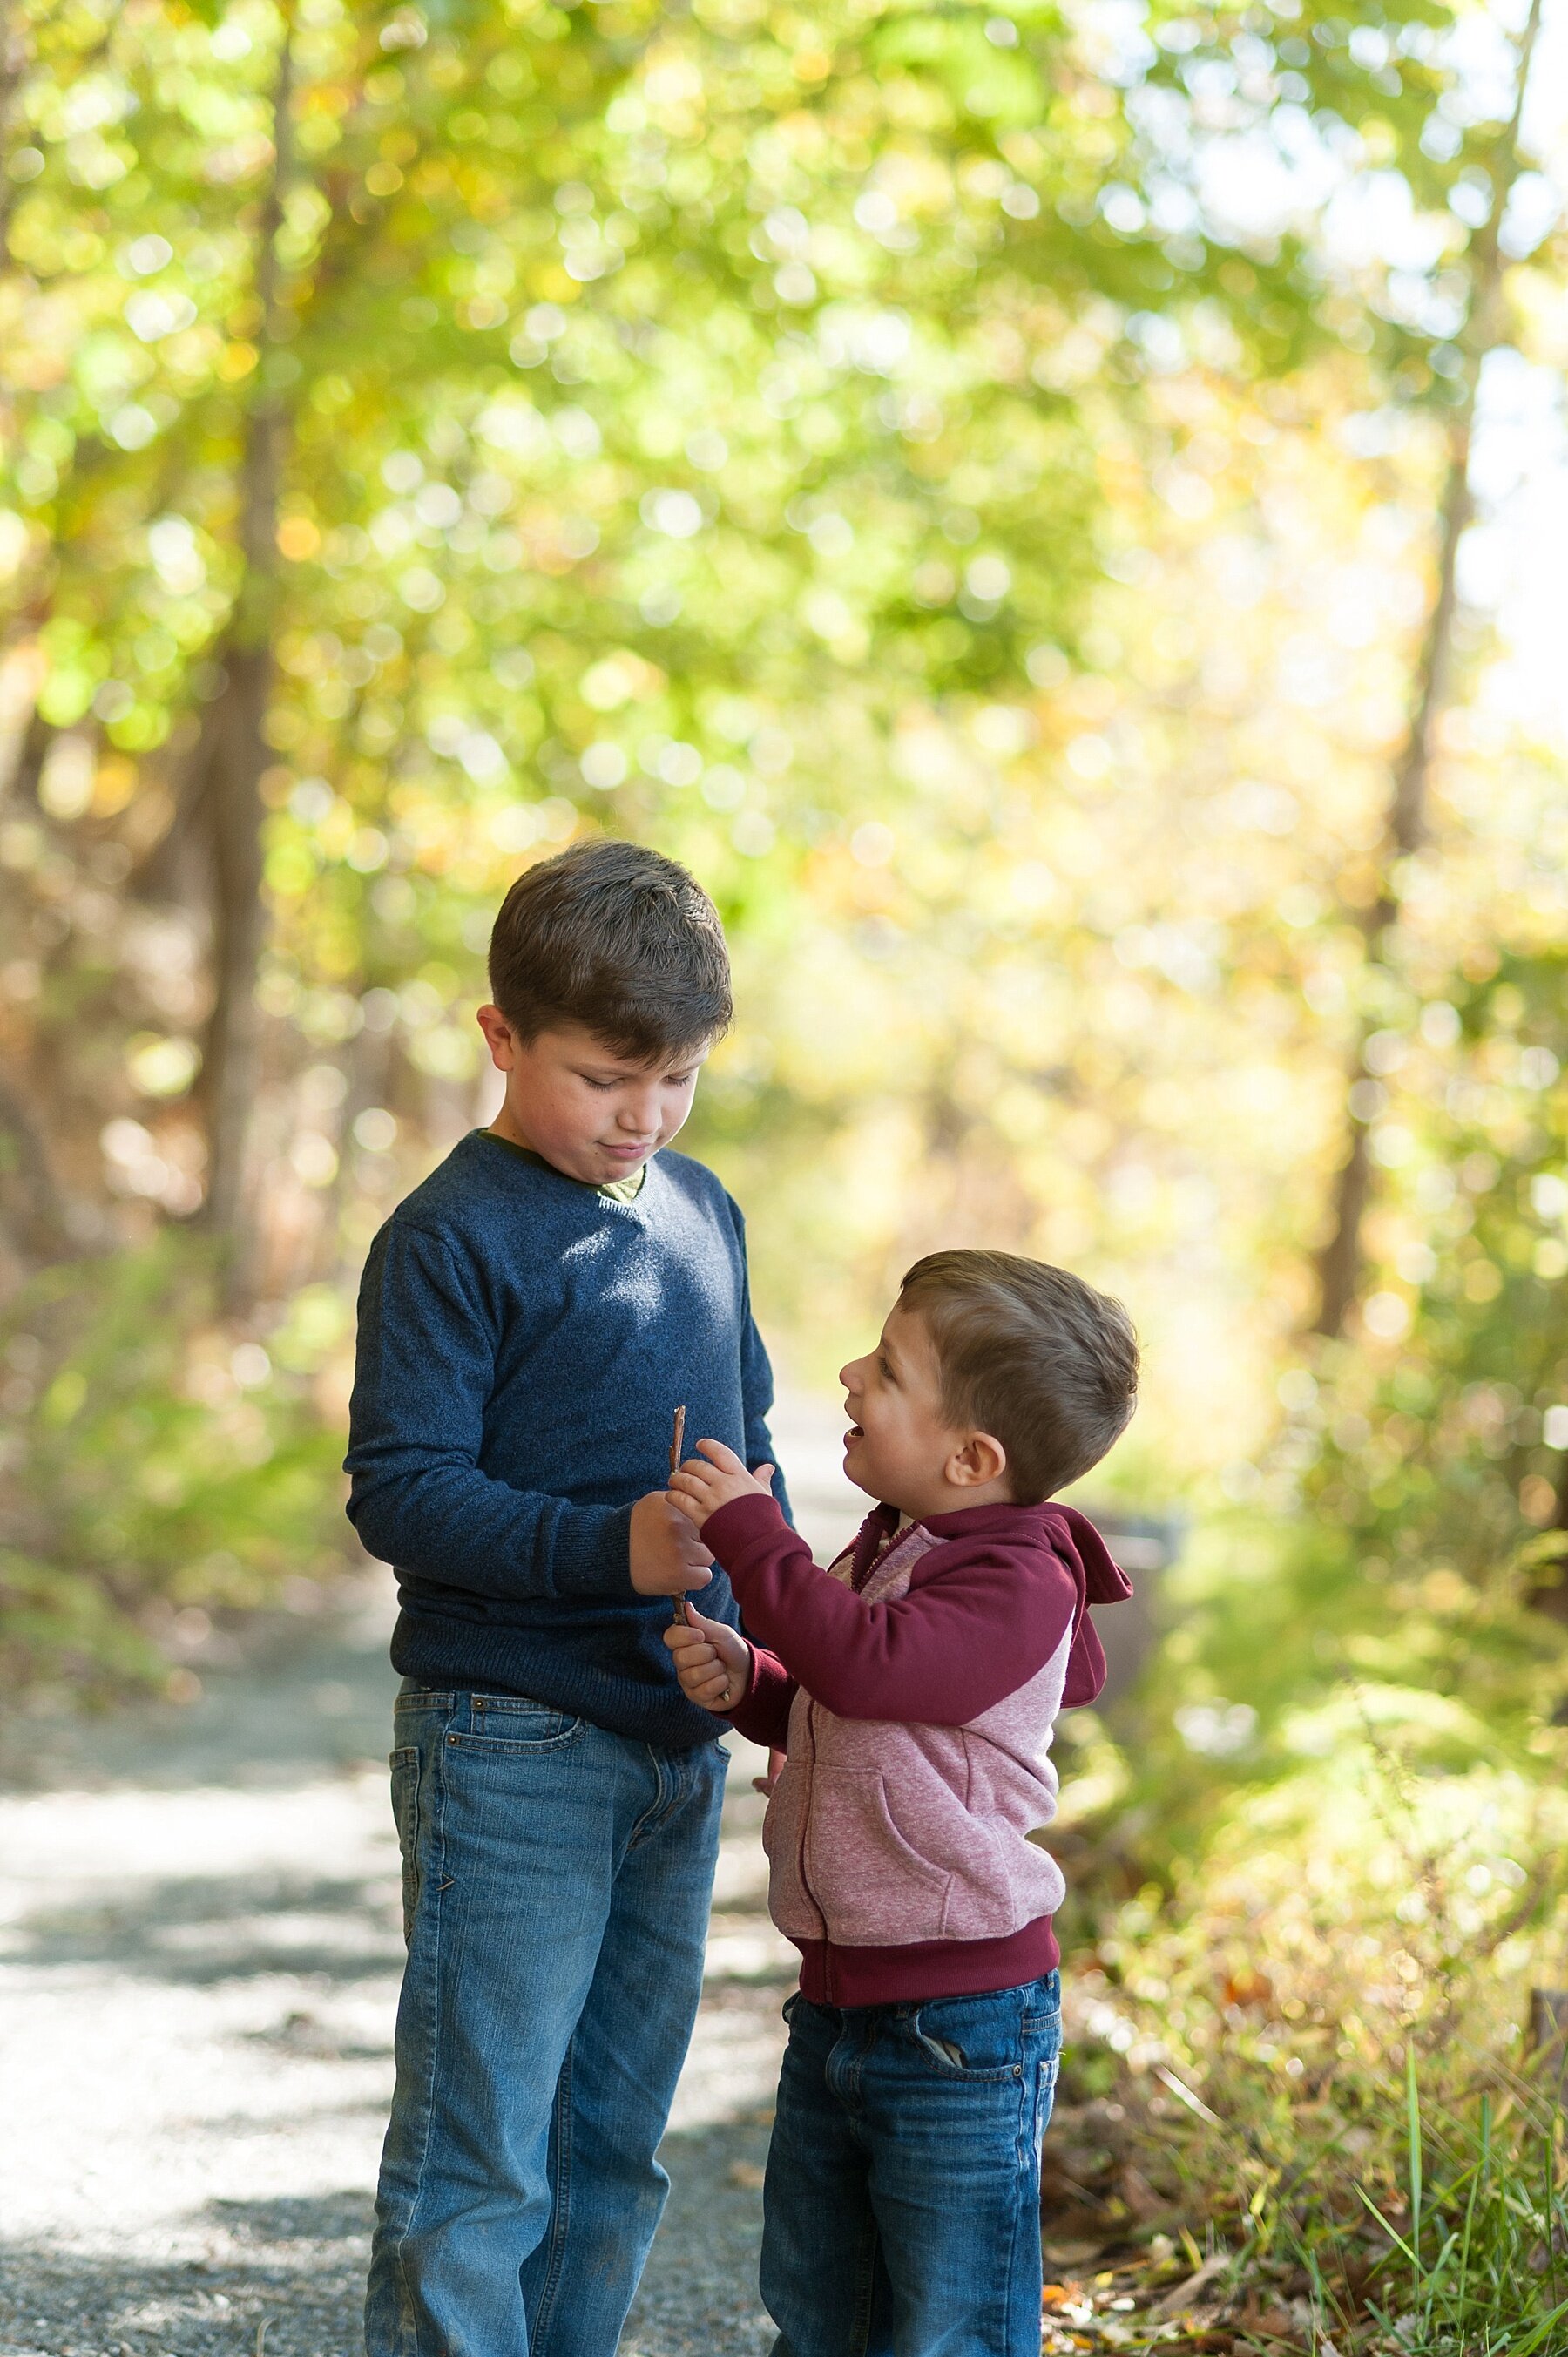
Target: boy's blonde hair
x,y
1030,1354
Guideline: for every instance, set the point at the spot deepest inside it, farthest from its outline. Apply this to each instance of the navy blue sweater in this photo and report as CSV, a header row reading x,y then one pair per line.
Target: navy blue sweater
x,y
524,1342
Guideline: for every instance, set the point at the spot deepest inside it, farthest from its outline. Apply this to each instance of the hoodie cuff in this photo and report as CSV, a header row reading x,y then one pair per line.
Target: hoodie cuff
x,y
733,1529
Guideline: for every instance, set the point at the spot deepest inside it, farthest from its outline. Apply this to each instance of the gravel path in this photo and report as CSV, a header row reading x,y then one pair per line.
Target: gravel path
x,y
199,1952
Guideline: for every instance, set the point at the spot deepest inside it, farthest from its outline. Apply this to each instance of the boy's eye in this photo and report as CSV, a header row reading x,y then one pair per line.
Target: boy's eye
x,y
882,1368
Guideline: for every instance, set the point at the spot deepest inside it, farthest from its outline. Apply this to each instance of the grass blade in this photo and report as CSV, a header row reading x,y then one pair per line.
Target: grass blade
x,y
1527,2346
1412,2115
1397,2240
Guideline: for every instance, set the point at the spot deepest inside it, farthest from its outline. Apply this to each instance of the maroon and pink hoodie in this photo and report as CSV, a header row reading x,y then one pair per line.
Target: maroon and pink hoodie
x,y
914,1685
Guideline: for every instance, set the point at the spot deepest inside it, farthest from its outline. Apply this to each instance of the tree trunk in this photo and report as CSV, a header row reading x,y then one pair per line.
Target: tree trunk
x,y
1404,826
46,1225
233,808
235,753
13,63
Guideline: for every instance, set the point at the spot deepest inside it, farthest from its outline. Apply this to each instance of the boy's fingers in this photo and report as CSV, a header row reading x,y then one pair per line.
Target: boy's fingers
x,y
697,1654
763,1473
725,1458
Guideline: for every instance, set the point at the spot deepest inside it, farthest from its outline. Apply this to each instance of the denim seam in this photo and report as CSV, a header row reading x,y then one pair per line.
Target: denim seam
x,y
427,2093
509,1746
661,1807
1011,2267
865,2272
866,2288
405,1756
559,2207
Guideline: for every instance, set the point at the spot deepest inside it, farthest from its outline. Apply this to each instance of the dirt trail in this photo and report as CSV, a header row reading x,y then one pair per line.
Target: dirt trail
x,y
199,1950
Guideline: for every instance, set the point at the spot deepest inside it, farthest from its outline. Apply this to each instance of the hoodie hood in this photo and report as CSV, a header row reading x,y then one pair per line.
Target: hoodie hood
x,y
1070,1537
1098,1580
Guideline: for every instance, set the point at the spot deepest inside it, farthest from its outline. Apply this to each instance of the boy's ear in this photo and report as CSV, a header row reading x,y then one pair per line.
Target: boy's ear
x,y
982,1459
499,1038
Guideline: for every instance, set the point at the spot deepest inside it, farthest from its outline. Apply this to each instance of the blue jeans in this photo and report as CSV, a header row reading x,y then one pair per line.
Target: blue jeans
x,y
902,2211
556,1880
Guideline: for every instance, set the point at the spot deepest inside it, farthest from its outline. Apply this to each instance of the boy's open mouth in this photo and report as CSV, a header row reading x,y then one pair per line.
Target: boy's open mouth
x,y
854,1433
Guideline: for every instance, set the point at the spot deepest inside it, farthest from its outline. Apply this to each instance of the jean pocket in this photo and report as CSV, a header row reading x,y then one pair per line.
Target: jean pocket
x,y
973,2038
1045,2097
1043,2005
404,1766
508,1724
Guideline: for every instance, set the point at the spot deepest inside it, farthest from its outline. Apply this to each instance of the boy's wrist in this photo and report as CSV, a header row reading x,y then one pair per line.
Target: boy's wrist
x,y
593,1559
740,1519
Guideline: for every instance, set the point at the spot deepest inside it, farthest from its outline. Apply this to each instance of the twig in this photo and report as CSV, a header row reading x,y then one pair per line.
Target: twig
x,y
677,1446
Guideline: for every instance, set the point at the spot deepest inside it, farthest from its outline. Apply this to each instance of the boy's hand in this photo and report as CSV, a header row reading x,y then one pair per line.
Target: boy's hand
x,y
700,1489
667,1557
712,1662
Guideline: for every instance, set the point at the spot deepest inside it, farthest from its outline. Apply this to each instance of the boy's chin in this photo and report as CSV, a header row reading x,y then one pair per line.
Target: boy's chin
x,y
863,1476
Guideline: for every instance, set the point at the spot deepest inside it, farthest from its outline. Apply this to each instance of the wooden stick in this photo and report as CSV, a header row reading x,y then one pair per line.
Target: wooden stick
x,y
677,1446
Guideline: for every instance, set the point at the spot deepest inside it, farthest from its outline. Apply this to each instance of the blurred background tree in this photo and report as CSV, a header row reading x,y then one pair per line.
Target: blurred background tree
x,y
1043,509
988,490
991,491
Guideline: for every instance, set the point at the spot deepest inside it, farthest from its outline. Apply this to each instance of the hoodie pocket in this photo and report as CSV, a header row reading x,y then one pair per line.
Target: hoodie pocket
x,y
873,1885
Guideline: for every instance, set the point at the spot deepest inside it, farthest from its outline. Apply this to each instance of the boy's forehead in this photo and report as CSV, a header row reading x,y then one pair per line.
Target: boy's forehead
x,y
904,1332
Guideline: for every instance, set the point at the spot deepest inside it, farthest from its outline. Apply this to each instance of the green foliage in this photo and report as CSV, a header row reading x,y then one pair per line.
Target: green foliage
x,y
1305,1928
955,479
155,1463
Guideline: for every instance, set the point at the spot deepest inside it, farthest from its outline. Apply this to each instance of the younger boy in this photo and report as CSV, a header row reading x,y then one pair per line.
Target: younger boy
x,y
529,1321
915,1684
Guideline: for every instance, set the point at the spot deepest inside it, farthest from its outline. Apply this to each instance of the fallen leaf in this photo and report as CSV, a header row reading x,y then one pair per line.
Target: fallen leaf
x,y
1139,2194
748,2175
1183,2294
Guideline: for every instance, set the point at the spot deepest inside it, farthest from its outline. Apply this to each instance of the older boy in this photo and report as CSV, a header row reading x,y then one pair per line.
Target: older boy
x,y
917,1681
530,1318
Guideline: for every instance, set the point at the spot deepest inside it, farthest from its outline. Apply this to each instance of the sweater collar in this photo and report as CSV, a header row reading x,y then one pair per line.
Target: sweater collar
x,y
614,1190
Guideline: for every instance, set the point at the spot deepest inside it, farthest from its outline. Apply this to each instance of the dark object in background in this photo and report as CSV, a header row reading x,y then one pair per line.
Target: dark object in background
x,y
1547,2036
1145,1545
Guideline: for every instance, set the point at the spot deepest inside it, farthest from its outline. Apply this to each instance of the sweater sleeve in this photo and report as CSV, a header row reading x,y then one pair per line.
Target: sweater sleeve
x,y
954,1645
424,1375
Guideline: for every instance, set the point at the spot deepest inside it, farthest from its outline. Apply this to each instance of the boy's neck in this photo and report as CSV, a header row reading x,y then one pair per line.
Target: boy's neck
x,y
507,1126
620,1190
953,1499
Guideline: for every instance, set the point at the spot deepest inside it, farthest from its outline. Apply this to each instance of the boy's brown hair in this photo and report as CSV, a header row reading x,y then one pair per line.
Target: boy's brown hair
x,y
618,939
1030,1354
